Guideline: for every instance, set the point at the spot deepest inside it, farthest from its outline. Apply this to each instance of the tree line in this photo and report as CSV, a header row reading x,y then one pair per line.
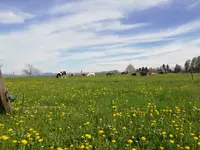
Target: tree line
x,y
190,66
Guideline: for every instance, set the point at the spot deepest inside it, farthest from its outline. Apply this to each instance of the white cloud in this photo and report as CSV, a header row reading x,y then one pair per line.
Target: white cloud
x,y
195,4
40,43
11,17
96,5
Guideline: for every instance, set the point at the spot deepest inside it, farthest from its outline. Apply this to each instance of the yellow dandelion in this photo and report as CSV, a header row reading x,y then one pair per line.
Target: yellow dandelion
x,y
4,137
10,130
88,136
41,140
171,141
31,129
187,147
195,138
82,146
198,143
24,142
1,125
133,148
14,141
113,141
143,138
130,141
163,133
101,131
171,136
59,148
161,147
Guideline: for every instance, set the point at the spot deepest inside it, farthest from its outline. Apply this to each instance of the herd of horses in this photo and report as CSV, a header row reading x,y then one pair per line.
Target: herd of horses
x,y
63,74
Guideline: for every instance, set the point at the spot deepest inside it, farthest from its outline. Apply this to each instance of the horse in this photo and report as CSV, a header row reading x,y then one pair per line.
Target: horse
x,y
109,73
134,74
61,74
143,73
90,74
72,74
124,72
83,74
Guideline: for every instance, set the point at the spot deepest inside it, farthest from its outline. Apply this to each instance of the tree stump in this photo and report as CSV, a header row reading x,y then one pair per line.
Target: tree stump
x,y
5,105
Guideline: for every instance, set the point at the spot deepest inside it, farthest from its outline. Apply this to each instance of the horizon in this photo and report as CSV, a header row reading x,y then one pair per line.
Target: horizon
x,y
97,35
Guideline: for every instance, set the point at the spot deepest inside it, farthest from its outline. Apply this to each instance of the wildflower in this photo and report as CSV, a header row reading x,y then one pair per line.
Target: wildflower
x,y
161,147
71,145
171,141
88,136
10,130
181,134
82,146
198,143
40,140
4,137
24,142
14,141
113,141
101,131
31,129
59,148
87,123
171,136
143,138
1,125
133,148
178,145
195,138
163,133
130,141
187,147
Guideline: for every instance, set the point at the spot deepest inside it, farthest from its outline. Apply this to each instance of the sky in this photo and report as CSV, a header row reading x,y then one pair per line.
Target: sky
x,y
97,35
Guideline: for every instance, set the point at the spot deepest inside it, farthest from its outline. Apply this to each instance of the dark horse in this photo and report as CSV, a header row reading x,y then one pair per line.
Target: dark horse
x,y
124,72
134,74
109,73
143,73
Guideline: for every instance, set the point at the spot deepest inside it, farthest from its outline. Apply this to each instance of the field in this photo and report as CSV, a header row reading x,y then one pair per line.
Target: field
x,y
119,112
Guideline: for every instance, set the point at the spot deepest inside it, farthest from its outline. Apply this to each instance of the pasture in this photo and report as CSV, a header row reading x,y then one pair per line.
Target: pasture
x,y
103,112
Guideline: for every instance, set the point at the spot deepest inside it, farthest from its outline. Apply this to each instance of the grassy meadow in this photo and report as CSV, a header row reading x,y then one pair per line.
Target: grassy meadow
x,y
103,113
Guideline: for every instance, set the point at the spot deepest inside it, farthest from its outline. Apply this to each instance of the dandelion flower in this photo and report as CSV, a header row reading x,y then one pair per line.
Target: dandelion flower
x,y
24,142
113,141
195,138
14,141
130,141
171,141
187,147
101,131
161,147
143,138
59,148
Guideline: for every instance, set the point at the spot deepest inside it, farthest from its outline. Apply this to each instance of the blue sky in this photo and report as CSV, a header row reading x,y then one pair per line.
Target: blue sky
x,y
97,35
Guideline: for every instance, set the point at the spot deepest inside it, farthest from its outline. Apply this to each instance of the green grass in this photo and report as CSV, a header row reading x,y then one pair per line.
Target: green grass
x,y
102,112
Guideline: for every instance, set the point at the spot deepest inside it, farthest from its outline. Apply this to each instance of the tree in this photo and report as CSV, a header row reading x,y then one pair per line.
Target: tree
x,y
198,64
30,70
167,68
164,68
177,68
187,66
130,68
193,64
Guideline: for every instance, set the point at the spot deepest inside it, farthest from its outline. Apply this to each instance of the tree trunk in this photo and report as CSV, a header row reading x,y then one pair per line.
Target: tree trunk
x,y
4,101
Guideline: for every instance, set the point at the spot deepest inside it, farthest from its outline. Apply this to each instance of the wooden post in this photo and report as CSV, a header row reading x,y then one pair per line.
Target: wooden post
x,y
4,101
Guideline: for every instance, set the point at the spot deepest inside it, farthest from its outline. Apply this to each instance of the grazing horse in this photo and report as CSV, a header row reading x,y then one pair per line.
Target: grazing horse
x,y
83,74
143,73
109,73
72,74
90,74
61,74
134,74
124,72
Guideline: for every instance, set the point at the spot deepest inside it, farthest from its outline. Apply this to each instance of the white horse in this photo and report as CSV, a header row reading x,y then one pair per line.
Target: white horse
x,y
90,74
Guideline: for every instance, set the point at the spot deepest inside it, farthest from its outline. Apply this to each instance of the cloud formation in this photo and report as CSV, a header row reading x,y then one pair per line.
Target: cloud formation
x,y
94,35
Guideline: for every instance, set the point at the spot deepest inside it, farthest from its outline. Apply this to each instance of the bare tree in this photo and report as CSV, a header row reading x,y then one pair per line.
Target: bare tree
x,y
30,70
